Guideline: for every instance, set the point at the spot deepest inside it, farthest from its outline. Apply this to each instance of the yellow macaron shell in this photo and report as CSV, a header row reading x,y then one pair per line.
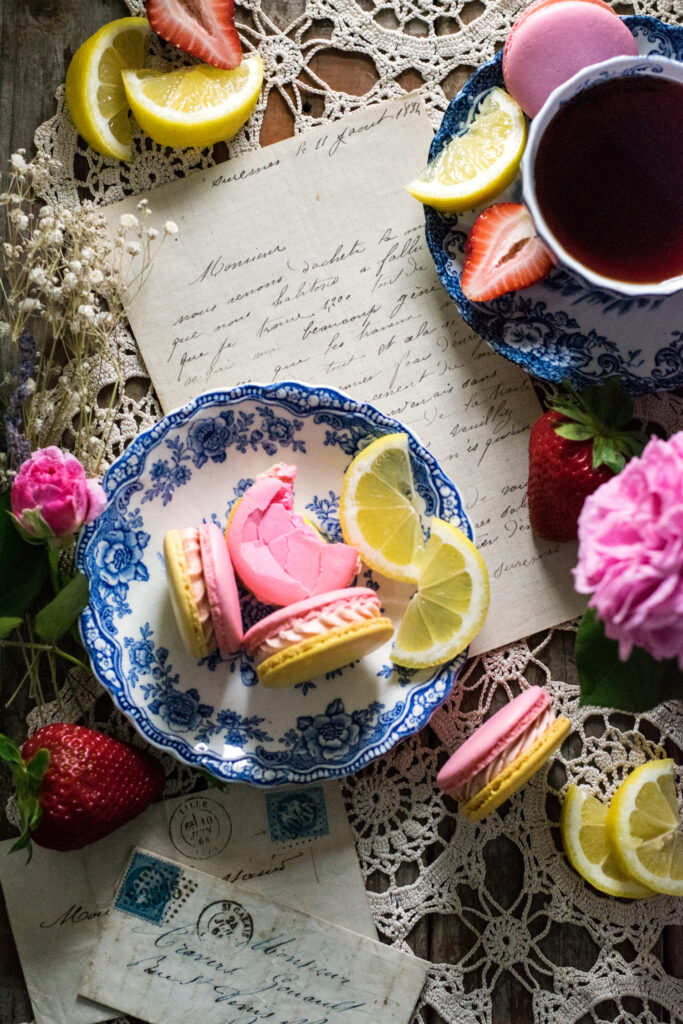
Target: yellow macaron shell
x,y
320,654
516,774
183,602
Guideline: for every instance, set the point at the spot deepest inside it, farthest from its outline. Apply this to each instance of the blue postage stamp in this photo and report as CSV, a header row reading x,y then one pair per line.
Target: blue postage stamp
x,y
152,889
297,814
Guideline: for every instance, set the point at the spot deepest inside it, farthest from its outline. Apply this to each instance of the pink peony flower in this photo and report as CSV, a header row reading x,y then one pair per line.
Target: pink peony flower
x,y
631,552
51,496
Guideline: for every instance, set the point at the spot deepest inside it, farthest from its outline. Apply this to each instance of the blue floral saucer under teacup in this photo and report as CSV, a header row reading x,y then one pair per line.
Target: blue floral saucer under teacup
x,y
561,328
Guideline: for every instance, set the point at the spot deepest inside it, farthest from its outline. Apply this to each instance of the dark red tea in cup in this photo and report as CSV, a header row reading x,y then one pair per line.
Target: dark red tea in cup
x,y
609,178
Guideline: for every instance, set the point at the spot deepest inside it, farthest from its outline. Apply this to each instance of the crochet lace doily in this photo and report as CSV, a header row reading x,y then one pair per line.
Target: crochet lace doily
x,y
426,862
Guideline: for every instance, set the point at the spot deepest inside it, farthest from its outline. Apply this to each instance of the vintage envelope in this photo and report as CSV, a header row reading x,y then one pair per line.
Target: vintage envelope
x,y
179,943
292,844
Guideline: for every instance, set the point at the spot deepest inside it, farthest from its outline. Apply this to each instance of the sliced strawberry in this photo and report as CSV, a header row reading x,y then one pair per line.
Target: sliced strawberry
x,y
503,253
203,28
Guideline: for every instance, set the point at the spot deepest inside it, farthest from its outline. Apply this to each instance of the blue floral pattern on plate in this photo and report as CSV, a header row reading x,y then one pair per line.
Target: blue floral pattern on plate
x,y
212,714
561,329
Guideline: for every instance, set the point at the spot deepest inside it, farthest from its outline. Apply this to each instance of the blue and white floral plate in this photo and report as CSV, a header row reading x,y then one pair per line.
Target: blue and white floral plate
x,y
193,465
562,329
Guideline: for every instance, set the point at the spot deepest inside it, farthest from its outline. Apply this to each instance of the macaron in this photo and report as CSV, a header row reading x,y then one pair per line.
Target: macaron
x,y
503,753
318,635
276,554
553,39
203,590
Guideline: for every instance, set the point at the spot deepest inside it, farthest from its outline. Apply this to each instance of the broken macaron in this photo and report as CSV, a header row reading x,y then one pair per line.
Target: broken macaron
x,y
276,554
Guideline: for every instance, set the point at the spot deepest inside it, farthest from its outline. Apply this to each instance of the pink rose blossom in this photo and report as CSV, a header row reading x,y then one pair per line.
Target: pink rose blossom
x,y
631,552
51,496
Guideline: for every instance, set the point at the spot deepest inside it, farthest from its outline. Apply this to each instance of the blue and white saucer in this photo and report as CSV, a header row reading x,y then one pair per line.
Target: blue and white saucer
x,y
212,714
562,329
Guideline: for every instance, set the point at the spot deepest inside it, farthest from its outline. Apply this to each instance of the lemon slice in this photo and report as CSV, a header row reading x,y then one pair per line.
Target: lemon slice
x,y
644,827
94,88
194,106
477,165
378,508
451,602
584,835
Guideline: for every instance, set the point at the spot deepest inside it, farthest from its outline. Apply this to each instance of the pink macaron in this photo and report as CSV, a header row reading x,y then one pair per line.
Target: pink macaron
x,y
317,635
276,554
203,590
503,753
553,39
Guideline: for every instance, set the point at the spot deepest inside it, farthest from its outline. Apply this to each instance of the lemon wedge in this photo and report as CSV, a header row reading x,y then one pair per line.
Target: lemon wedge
x,y
644,827
478,164
94,88
194,106
584,835
378,508
451,602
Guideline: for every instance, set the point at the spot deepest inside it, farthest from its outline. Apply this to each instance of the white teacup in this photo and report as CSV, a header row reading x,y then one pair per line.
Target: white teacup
x,y
540,200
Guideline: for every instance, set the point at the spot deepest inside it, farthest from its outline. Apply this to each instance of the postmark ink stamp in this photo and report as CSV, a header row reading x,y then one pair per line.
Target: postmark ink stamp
x,y
153,889
200,828
226,920
297,814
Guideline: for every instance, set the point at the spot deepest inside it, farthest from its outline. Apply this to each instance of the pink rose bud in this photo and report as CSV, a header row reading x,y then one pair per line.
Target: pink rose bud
x,y
52,497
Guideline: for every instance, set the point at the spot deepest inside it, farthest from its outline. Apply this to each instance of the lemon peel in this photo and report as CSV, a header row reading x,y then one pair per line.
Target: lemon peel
x,y
94,89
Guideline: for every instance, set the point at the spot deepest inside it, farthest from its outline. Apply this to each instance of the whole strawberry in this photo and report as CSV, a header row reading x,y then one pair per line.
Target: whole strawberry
x,y
573,448
75,785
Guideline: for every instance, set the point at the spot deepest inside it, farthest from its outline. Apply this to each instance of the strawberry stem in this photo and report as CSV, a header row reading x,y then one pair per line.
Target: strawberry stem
x,y
27,778
600,415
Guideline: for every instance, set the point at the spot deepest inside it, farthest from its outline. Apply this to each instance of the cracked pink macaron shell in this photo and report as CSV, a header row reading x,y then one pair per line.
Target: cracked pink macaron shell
x,y
552,40
221,589
285,618
491,738
276,555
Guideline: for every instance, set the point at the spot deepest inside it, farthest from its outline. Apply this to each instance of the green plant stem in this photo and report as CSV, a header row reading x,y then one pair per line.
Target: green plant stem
x,y
53,559
50,648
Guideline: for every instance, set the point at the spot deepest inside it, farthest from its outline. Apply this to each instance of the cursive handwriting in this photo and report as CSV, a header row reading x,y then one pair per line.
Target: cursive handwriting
x,y
74,915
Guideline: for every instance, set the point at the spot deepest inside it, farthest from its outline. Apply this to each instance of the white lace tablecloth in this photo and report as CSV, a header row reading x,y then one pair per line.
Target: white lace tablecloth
x,y
404,828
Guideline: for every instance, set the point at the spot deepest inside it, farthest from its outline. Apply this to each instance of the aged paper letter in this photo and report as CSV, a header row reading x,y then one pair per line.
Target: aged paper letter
x,y
307,261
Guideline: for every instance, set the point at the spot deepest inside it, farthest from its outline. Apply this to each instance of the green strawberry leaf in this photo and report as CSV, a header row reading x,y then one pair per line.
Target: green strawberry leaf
x,y
606,453
23,566
638,684
27,780
610,403
575,431
57,617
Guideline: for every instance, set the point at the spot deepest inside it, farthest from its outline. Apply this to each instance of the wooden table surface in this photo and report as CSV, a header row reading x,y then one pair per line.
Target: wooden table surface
x,y
37,40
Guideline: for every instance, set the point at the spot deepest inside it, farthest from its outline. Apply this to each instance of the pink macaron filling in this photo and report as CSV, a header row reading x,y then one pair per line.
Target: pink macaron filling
x,y
497,743
314,617
526,739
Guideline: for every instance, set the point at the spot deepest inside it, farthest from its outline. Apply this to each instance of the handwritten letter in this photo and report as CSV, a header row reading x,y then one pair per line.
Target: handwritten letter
x,y
180,945
307,261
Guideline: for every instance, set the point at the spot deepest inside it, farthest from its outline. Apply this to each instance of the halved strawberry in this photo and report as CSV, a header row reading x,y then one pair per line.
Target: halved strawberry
x,y
203,28
503,253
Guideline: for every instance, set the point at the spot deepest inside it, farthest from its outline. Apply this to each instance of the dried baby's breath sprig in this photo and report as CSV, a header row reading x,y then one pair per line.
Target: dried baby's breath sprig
x,y
62,273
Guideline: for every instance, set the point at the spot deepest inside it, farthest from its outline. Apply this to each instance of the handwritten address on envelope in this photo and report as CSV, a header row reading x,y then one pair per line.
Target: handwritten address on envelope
x,y
182,945
307,261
